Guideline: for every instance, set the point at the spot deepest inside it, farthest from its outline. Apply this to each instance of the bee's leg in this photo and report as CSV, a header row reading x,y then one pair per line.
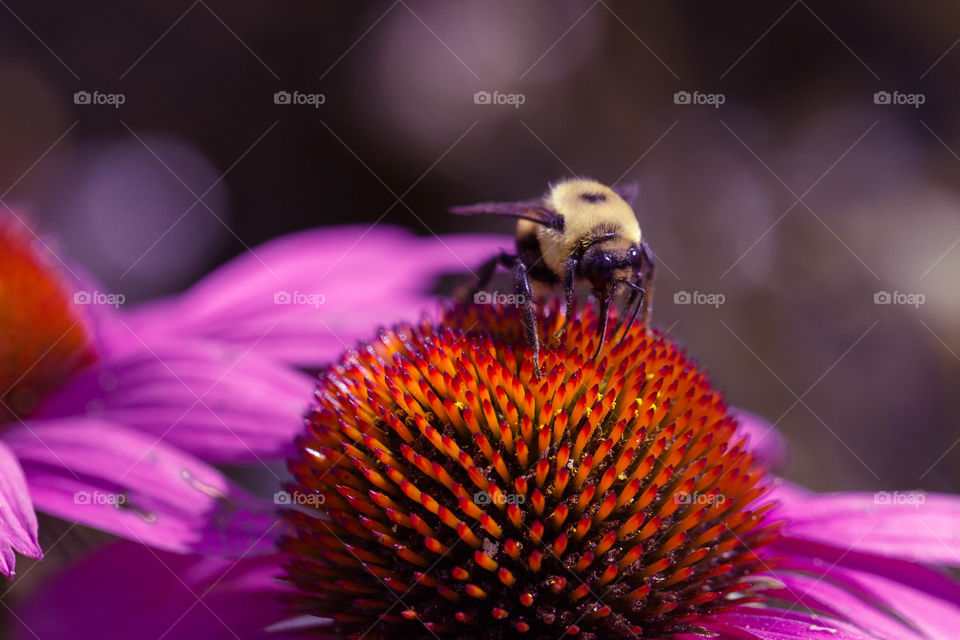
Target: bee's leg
x,y
569,273
647,305
483,277
636,300
604,318
521,282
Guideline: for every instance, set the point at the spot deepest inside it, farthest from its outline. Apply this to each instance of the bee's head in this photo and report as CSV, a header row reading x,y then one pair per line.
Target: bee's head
x,y
603,266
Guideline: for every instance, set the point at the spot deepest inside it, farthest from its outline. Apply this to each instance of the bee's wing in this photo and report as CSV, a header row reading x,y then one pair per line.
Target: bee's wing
x,y
533,210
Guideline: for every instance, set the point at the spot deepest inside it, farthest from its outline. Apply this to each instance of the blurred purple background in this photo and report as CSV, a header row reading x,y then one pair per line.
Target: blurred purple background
x,y
792,206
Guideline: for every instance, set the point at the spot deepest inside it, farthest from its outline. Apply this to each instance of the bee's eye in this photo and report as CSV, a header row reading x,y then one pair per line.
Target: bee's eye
x,y
601,267
633,255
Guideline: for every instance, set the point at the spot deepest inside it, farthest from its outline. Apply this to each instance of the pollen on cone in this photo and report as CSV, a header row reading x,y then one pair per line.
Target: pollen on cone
x,y
465,497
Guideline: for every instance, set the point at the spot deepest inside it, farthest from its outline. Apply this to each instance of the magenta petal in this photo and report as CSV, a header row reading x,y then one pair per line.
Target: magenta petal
x,y
935,617
120,592
18,522
765,440
364,275
219,404
927,599
913,526
125,482
820,593
772,624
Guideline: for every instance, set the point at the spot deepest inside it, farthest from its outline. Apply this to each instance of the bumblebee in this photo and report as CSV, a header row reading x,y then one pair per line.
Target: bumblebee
x,y
580,231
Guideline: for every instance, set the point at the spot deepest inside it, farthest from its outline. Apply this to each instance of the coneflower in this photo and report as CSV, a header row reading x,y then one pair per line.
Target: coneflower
x,y
452,494
462,496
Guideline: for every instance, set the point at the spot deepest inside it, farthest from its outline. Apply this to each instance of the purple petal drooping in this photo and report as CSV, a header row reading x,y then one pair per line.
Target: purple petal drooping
x,y
117,479
18,522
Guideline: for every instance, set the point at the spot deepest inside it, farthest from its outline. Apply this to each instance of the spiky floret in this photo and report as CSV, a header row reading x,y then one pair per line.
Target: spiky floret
x,y
462,497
